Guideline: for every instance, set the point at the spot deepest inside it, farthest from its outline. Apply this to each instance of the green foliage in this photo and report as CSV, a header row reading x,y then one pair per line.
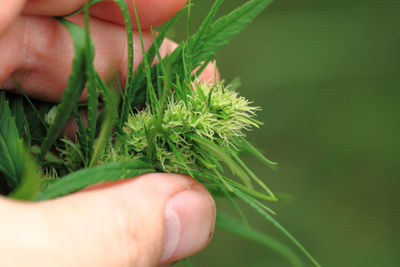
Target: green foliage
x,y
198,129
16,165
11,146
93,103
76,84
225,116
104,173
106,128
204,44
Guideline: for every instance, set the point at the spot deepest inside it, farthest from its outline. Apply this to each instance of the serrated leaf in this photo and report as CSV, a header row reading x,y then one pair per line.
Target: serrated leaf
x,y
76,84
135,94
205,25
225,28
127,94
93,102
30,184
11,146
210,38
105,173
110,112
16,164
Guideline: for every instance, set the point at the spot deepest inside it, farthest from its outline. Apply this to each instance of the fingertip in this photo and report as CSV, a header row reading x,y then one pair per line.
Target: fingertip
x,y
182,213
150,12
190,218
210,74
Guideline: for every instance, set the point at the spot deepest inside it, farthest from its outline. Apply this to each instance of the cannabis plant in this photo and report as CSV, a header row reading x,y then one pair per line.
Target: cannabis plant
x,y
164,120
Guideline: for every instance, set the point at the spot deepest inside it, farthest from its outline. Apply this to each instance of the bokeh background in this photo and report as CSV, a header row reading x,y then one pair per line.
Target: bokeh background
x,y
326,74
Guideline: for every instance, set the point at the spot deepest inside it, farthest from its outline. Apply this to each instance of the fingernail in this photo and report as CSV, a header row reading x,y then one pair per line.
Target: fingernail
x,y
189,224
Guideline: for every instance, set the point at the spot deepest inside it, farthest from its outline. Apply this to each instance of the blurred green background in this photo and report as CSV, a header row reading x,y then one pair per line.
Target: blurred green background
x,y
327,76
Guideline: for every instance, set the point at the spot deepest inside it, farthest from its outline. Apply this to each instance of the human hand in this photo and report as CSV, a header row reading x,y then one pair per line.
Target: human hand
x,y
37,51
152,219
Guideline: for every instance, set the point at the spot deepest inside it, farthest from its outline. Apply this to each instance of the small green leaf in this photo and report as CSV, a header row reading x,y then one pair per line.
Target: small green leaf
x,y
106,127
224,157
93,102
31,180
105,173
76,84
211,37
224,29
127,94
11,146
16,164
135,91
151,94
247,147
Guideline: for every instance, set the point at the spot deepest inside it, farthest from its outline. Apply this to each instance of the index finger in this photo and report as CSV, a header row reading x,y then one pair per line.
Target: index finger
x,y
8,11
150,12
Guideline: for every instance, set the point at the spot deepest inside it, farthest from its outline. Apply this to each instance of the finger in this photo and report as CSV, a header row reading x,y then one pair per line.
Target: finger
x,y
150,12
152,219
8,12
37,52
210,74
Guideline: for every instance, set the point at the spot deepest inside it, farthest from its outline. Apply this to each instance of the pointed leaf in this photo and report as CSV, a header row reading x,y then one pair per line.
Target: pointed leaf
x,y
105,173
76,84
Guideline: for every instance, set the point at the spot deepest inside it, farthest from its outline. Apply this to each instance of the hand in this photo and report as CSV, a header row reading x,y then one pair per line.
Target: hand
x,y
146,221
152,219
37,51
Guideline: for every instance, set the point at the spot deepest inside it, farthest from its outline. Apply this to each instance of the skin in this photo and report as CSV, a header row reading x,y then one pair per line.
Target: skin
x,y
127,223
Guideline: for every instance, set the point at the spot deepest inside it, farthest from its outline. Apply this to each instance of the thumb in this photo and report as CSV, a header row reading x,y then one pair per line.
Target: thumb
x,y
146,221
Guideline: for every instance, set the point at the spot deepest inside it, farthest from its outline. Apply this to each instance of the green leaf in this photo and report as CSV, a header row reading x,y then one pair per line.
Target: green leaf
x,y
236,207
17,109
76,84
227,27
127,94
31,180
245,146
128,27
211,37
205,25
230,224
16,164
11,146
224,157
252,175
135,90
106,127
105,173
261,210
93,102
151,94
258,206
